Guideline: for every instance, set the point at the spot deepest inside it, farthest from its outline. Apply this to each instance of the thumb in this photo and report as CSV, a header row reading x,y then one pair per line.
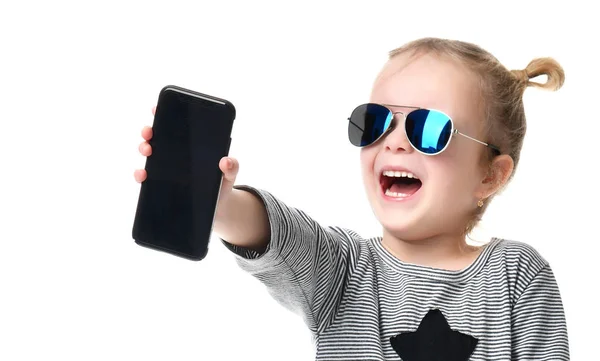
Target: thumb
x,y
230,168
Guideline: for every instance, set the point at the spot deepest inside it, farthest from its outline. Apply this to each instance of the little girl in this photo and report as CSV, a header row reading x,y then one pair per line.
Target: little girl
x,y
440,136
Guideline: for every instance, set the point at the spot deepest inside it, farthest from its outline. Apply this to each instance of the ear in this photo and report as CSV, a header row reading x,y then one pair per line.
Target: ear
x,y
497,175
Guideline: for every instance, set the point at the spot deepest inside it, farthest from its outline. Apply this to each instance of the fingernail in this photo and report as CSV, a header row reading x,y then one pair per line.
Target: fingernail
x,y
229,164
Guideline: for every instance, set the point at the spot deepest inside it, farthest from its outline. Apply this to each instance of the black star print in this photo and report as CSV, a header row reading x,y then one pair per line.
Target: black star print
x,y
434,340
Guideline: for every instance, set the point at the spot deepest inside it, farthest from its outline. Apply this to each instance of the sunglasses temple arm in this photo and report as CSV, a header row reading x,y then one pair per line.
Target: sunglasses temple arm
x,y
478,141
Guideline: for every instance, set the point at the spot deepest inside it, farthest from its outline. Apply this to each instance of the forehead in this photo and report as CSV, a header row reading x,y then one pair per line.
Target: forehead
x,y
429,81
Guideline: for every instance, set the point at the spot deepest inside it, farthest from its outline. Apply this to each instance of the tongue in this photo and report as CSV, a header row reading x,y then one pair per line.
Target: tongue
x,y
405,188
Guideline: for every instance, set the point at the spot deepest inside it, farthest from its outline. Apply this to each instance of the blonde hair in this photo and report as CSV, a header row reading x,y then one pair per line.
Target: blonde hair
x,y
502,93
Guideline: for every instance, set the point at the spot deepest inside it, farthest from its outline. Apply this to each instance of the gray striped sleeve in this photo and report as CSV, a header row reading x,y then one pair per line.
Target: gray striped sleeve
x,y
305,264
539,330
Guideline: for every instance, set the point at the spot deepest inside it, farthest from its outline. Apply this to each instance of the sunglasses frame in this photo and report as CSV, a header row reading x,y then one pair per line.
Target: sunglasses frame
x,y
454,130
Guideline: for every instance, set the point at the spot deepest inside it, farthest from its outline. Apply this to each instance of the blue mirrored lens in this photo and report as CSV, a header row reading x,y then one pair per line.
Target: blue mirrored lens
x,y
429,131
367,123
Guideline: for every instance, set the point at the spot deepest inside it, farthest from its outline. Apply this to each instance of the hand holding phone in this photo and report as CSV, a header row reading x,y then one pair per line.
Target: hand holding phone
x,y
187,173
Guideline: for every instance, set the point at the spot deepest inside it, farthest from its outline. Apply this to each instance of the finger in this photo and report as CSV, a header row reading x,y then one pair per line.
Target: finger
x,y
230,167
147,133
140,175
145,149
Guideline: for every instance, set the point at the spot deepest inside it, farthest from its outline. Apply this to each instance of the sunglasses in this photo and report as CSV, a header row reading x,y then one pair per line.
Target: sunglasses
x,y
429,131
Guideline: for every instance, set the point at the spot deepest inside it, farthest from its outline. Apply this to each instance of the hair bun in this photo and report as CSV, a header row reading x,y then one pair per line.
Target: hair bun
x,y
522,76
542,66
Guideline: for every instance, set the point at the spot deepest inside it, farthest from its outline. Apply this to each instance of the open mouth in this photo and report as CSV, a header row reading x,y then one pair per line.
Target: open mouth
x,y
399,184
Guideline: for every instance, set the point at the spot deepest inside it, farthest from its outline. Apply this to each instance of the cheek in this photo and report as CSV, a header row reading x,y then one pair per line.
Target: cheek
x,y
367,162
367,158
453,180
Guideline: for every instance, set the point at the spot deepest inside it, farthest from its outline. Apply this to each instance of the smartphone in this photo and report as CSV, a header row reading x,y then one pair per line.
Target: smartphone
x,y
178,199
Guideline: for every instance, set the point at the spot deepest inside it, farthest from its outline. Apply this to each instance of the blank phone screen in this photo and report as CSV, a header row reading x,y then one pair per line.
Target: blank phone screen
x,y
178,199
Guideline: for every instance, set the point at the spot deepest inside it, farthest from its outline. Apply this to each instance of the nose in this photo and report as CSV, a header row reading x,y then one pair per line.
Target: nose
x,y
396,141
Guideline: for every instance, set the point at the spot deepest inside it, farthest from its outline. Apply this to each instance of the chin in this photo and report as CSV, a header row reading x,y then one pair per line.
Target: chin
x,y
406,219
407,227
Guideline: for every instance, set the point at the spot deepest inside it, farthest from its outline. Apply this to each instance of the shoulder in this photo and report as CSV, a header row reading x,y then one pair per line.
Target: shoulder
x,y
351,240
518,254
520,261
356,249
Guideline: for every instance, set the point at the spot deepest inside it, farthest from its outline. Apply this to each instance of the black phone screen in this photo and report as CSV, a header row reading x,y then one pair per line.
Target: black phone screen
x,y
191,133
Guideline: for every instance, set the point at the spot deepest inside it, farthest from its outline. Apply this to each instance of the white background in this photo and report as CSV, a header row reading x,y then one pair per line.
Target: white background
x,y
78,80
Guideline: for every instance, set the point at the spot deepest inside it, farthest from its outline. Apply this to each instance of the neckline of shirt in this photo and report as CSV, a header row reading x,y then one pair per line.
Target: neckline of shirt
x,y
421,271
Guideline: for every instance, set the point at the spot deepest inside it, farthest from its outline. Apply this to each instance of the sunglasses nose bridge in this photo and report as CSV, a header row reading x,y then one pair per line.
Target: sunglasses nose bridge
x,y
396,120
396,139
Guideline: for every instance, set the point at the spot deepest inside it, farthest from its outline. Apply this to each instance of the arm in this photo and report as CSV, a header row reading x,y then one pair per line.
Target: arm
x,y
242,221
539,329
302,264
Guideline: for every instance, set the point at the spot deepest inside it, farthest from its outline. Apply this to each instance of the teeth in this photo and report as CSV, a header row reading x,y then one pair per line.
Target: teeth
x,y
389,193
398,174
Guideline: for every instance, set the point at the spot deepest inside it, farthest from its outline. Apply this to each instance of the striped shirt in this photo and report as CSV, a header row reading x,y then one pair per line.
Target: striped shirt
x,y
356,297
